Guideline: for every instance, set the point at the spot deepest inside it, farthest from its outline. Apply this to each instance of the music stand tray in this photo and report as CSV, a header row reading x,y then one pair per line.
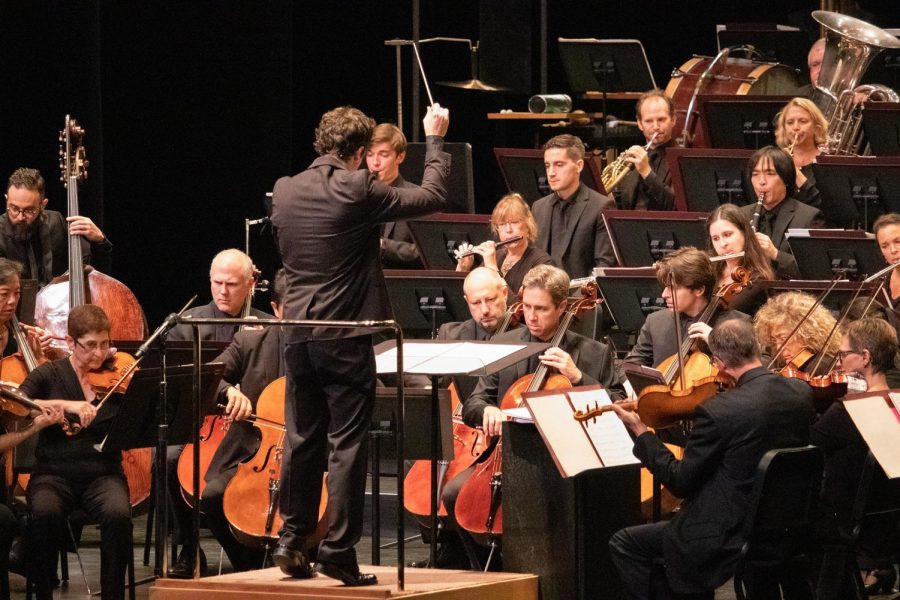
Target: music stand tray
x,y
524,172
625,62
640,238
704,178
424,300
439,235
739,121
856,190
822,253
881,124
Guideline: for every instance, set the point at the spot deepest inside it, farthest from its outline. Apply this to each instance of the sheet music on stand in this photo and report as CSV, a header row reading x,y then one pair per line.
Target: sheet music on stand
x,y
578,446
877,417
438,357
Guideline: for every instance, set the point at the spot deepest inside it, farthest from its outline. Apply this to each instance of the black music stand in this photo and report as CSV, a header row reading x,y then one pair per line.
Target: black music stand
x,y
460,184
425,300
594,65
640,238
843,293
774,44
629,295
822,253
177,353
523,172
438,236
856,190
27,298
704,178
739,121
881,125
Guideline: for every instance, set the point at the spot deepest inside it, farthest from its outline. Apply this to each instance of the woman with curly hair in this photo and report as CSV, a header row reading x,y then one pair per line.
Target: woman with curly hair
x,y
778,317
729,232
801,128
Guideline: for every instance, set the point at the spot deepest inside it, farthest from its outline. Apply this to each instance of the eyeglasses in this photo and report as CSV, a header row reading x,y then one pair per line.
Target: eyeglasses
x,y
93,346
16,211
842,354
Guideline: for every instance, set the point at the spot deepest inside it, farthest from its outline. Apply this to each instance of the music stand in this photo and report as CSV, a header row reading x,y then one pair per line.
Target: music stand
x,y
425,300
640,238
629,295
842,294
881,126
739,121
856,190
704,178
605,65
27,299
460,183
177,353
439,235
775,43
523,172
822,253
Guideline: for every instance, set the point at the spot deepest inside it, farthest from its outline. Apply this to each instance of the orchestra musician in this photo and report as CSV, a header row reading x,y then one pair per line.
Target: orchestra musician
x,y
729,232
570,227
887,233
778,317
69,471
510,218
36,236
801,129
649,186
385,153
10,292
730,434
695,281
774,177
327,221
867,348
814,61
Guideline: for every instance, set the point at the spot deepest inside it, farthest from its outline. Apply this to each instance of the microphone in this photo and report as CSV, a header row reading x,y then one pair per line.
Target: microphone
x,y
263,221
164,327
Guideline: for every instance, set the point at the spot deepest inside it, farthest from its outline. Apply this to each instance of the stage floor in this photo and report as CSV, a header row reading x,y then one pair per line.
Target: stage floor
x,y
433,584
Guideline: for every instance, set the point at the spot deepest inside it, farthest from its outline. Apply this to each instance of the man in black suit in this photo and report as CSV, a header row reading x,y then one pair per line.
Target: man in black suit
x,y
774,177
570,227
327,221
731,432
385,153
37,237
649,186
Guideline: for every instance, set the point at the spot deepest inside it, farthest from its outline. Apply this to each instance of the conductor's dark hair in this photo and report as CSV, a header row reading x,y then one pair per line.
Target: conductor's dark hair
x,y
734,342
343,131
781,161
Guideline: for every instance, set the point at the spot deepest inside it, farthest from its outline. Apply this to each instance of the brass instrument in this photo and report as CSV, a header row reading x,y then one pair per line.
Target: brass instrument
x,y
850,46
615,171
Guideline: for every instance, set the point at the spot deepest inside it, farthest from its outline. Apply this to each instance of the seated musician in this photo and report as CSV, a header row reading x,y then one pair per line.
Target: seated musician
x,y
384,154
778,317
814,61
774,178
730,233
867,348
695,281
730,434
887,233
69,471
10,292
510,218
37,237
649,186
570,226
581,360
801,129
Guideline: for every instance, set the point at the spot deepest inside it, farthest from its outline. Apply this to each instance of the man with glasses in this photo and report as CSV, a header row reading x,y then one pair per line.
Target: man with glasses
x,y
35,236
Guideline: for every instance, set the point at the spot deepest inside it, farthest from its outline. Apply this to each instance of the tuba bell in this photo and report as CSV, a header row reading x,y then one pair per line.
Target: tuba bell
x,y
850,46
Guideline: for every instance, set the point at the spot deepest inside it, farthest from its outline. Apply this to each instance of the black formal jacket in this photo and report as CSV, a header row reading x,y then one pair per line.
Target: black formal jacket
x,y
50,243
532,257
586,244
653,193
469,330
593,358
210,333
791,215
731,433
253,360
328,224
398,247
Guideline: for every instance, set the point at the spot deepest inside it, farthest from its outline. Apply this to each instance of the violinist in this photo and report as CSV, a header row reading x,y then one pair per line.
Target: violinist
x,y
69,472
867,348
695,281
730,233
778,317
801,129
773,175
731,432
37,237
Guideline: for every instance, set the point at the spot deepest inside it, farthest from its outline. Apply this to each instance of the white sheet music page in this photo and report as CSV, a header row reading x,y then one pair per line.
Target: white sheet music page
x,y
606,432
879,423
443,359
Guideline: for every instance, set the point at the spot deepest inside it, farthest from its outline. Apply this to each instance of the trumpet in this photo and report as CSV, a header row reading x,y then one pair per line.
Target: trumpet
x,y
615,171
790,149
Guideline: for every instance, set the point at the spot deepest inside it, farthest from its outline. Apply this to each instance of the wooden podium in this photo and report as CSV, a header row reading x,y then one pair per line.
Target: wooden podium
x,y
559,528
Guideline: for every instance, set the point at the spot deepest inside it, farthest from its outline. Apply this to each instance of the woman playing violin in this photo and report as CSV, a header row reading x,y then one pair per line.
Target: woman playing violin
x,y
511,218
69,471
777,318
729,232
801,129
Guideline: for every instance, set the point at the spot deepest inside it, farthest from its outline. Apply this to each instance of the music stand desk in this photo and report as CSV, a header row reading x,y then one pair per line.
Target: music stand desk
x,y
820,253
642,237
524,172
437,236
857,189
735,121
698,172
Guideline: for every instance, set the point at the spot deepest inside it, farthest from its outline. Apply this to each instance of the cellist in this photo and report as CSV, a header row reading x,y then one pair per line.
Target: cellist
x,y
581,360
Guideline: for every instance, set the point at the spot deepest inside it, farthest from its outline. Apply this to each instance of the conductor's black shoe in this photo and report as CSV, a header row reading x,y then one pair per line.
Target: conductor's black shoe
x,y
348,574
184,566
293,563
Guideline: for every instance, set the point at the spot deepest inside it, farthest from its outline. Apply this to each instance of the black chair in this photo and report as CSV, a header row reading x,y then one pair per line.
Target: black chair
x,y
783,507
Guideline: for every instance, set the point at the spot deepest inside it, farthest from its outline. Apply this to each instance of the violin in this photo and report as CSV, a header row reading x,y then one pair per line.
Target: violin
x,y
16,403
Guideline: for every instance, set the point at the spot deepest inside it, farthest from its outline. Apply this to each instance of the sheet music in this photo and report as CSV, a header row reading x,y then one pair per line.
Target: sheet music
x,y
607,432
453,359
880,428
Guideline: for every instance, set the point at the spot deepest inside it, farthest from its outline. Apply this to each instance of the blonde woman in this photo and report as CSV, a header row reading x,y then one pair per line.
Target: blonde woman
x,y
801,129
778,317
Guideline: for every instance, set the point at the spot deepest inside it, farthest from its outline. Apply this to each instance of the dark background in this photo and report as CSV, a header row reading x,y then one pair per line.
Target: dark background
x,y
193,108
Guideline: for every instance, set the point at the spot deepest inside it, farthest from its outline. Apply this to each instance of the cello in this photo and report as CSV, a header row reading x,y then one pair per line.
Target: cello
x,y
84,285
478,508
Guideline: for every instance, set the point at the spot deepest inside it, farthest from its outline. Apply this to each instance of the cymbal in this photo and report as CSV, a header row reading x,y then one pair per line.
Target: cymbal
x,y
474,84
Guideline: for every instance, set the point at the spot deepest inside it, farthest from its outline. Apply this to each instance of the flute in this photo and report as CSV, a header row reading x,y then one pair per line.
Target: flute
x,y
497,245
759,205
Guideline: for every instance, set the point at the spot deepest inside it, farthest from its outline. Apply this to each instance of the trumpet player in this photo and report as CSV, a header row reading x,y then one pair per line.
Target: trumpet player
x,y
649,186
801,129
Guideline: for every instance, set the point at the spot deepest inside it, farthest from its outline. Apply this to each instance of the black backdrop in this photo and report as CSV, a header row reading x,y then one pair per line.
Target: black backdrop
x,y
193,108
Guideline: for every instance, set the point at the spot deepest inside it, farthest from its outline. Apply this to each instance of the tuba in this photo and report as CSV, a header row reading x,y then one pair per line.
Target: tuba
x,y
850,46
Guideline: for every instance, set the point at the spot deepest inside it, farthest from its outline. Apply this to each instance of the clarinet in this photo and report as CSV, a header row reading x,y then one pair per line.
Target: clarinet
x,y
754,223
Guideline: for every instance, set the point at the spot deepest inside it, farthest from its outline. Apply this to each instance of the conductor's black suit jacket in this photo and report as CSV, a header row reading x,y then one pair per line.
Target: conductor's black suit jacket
x,y
328,224
731,433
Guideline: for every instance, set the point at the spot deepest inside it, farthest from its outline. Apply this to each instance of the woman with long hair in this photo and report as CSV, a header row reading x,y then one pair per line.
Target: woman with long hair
x,y
729,232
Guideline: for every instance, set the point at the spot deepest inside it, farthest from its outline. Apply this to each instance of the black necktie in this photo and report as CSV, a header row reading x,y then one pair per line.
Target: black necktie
x,y
558,228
